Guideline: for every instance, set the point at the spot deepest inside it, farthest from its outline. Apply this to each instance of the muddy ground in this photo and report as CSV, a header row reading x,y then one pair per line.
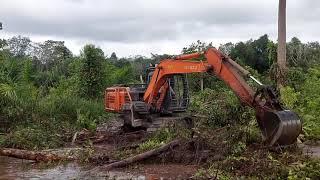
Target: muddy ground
x,y
184,161
111,143
110,139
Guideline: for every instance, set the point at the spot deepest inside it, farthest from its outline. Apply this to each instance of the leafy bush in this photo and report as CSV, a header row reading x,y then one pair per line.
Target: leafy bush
x,y
296,77
289,97
305,100
305,170
85,121
91,72
160,137
75,110
220,106
212,173
32,137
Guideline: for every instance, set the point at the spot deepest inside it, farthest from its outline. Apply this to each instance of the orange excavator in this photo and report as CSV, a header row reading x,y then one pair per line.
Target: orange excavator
x,y
141,105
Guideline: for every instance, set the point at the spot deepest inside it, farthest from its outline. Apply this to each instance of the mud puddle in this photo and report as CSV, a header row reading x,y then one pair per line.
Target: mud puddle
x,y
11,168
311,150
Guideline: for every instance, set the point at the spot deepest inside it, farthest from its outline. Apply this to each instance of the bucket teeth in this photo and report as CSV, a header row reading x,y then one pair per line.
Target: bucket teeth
x,y
281,127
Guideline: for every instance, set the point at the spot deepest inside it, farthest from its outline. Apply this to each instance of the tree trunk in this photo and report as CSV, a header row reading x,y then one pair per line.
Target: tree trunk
x,y
281,58
38,156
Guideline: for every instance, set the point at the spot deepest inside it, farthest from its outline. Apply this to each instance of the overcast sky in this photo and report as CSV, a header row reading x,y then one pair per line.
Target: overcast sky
x,y
142,27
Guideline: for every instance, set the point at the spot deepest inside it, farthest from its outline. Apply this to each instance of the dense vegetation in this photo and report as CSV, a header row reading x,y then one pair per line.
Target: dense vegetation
x,y
47,93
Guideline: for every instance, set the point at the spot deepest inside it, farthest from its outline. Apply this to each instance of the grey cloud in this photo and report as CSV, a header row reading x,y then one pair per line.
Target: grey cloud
x,y
147,21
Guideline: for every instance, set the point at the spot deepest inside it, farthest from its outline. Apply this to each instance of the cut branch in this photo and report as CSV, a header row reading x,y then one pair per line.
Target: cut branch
x,y
142,156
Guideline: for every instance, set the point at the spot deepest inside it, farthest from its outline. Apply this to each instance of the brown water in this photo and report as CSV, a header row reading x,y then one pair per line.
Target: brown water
x,y
11,168
311,150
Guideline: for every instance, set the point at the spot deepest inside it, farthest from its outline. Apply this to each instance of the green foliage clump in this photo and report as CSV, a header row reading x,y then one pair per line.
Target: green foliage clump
x,y
310,103
160,137
238,148
73,109
306,170
32,137
289,97
84,120
254,53
148,145
305,100
91,73
220,106
295,77
212,173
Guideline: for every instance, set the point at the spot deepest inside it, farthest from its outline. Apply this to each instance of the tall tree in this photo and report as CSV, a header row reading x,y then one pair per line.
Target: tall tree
x,y
296,53
50,53
19,45
3,43
281,59
113,56
226,48
253,53
91,74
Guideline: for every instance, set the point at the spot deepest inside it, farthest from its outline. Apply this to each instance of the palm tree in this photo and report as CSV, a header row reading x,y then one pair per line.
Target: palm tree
x,y
281,58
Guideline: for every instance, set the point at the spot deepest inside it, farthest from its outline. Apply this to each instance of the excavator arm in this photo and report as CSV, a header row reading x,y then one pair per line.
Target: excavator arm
x,y
277,124
217,64
166,69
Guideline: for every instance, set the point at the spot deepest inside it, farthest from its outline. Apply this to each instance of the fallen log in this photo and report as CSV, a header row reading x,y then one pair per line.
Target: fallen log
x,y
38,156
142,156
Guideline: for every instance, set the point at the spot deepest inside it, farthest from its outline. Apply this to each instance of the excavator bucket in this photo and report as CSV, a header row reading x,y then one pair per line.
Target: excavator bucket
x,y
280,127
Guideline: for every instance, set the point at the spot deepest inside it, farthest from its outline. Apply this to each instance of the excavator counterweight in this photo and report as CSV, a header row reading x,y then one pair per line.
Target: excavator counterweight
x,y
141,104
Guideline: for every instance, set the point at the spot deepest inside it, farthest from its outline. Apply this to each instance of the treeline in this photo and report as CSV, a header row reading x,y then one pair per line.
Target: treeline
x,y
47,93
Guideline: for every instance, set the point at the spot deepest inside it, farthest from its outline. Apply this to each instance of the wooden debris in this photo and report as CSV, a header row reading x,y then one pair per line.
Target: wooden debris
x,y
142,156
74,138
38,156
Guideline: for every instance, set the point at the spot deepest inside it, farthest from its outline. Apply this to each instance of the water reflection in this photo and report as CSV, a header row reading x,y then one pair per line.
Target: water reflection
x,y
11,168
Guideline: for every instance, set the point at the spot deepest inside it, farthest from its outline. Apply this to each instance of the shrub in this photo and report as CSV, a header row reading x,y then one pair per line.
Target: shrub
x,y
220,106
305,170
305,100
157,139
289,97
85,121
32,137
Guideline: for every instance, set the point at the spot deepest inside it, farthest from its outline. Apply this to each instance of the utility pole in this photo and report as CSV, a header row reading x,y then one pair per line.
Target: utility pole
x,y
281,51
